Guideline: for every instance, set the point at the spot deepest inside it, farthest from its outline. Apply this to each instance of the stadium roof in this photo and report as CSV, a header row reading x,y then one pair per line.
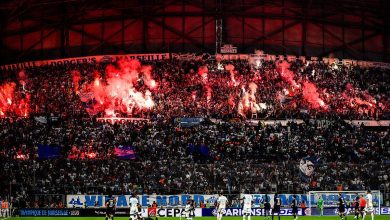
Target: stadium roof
x,y
47,29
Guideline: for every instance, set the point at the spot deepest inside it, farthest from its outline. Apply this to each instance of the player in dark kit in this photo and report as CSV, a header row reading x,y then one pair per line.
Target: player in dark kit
x,y
110,208
139,214
341,207
267,208
294,206
276,208
356,205
191,202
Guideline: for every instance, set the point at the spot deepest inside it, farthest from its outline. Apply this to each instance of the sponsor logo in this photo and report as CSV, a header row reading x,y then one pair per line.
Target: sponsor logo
x,y
44,212
385,211
152,212
238,212
215,212
102,212
172,212
76,202
169,212
75,213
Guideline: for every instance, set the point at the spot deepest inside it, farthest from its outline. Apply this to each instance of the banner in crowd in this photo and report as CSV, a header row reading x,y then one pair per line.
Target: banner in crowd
x,y
320,123
125,152
369,123
122,201
48,151
114,120
188,122
190,56
330,199
96,201
232,57
252,58
199,149
307,166
88,59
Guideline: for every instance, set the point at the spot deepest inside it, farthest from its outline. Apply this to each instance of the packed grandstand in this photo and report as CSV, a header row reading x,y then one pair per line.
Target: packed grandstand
x,y
191,126
194,109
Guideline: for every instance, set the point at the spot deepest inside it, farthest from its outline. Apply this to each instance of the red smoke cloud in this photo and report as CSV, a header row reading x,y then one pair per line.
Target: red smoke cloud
x,y
203,72
248,101
309,90
310,94
6,96
76,76
11,105
230,68
126,89
286,74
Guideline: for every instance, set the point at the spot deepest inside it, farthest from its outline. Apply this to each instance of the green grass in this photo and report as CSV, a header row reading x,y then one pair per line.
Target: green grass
x,y
377,217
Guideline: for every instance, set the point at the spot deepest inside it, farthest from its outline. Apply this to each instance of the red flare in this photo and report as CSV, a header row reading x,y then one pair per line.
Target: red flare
x,y
76,76
311,95
119,91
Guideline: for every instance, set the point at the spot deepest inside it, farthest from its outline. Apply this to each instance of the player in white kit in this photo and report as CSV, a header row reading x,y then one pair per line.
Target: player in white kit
x,y
133,207
247,209
369,205
221,206
187,211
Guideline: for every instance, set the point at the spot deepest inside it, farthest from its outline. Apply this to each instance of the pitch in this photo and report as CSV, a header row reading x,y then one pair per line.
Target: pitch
x,y
377,217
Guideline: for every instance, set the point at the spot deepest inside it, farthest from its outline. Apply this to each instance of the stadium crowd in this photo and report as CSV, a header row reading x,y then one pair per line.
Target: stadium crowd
x,y
230,154
203,88
204,158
